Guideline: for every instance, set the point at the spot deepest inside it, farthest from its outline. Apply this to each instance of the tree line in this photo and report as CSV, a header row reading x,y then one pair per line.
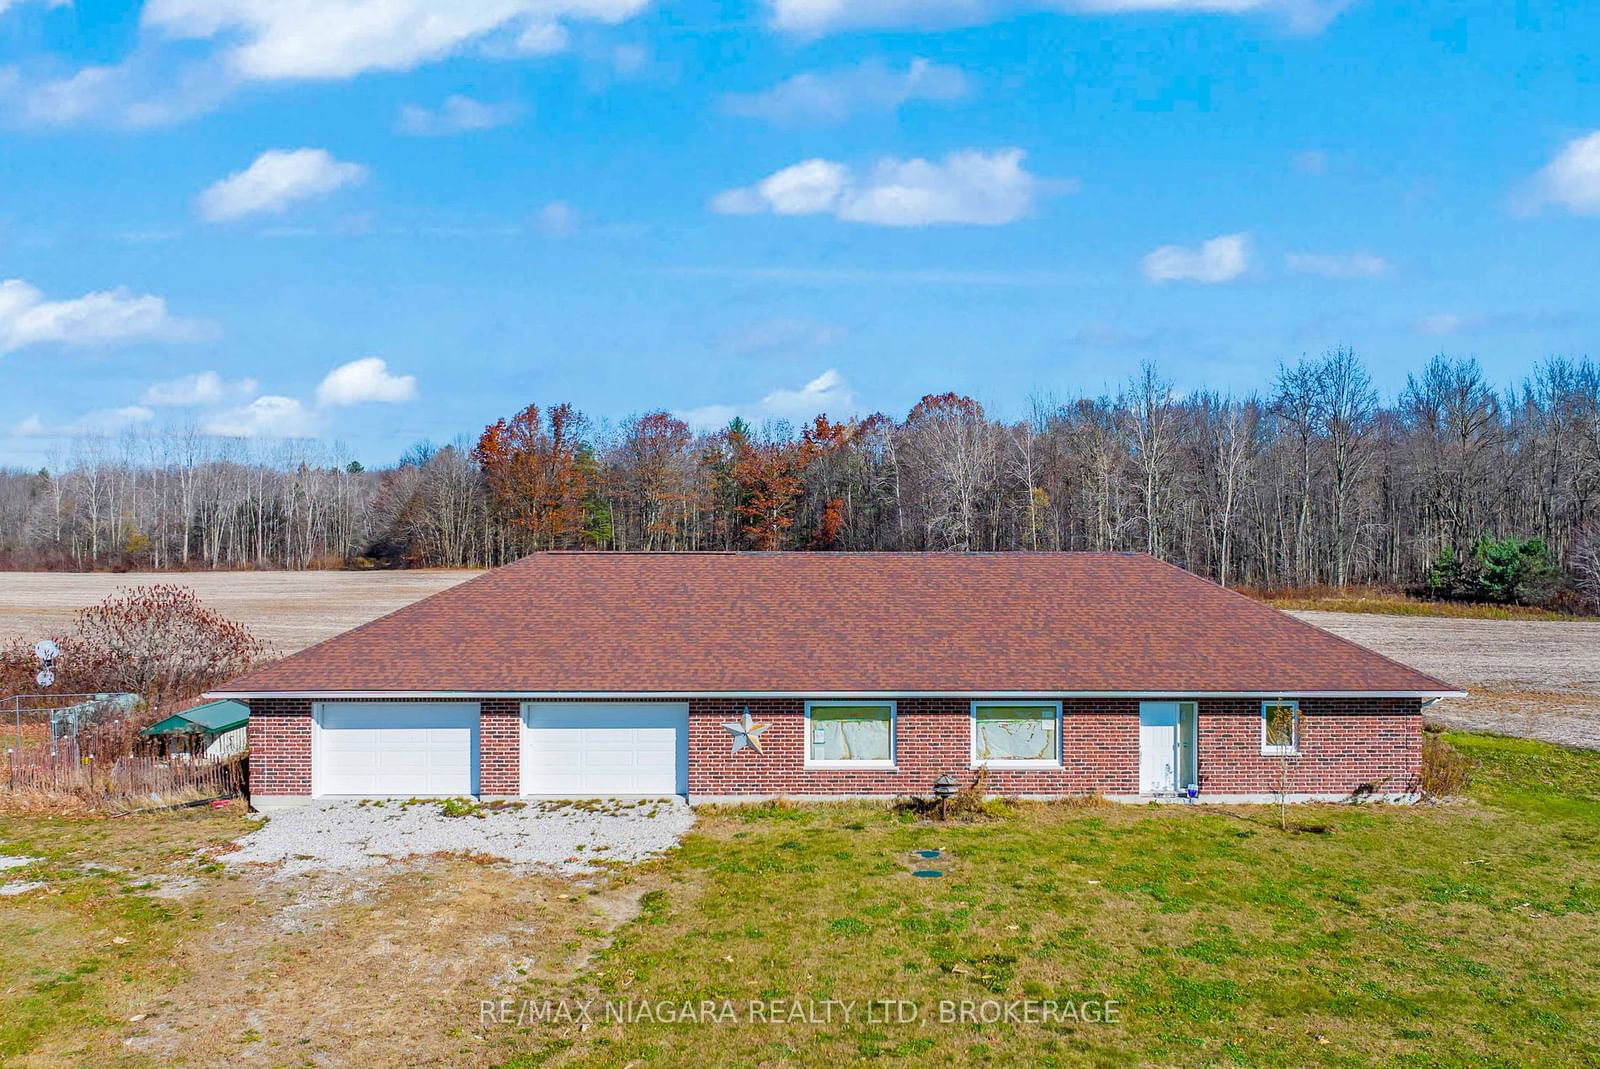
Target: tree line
x,y
1314,479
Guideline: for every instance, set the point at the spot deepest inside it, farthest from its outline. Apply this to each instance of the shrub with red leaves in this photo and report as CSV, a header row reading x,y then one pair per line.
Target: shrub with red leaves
x,y
159,642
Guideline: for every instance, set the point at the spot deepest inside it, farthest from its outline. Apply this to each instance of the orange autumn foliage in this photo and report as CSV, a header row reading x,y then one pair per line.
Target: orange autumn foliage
x,y
536,473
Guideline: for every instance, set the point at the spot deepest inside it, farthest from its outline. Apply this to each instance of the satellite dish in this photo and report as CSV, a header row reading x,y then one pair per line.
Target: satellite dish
x,y
46,650
45,677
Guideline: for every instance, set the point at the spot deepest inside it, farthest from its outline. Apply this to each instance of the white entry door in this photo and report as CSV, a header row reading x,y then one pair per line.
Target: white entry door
x,y
395,749
1158,747
605,749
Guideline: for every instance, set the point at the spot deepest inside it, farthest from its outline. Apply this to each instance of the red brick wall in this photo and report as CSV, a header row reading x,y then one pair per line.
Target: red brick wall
x,y
500,746
932,737
1344,744
280,746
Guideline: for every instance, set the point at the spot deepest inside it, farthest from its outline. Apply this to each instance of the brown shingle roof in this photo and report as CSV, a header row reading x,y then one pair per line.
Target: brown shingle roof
x,y
744,623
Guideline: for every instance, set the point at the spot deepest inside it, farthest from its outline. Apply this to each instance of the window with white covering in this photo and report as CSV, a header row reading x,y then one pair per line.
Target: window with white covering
x,y
849,734
1016,734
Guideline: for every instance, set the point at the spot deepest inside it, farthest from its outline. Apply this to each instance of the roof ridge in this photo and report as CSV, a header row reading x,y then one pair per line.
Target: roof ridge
x,y
1301,623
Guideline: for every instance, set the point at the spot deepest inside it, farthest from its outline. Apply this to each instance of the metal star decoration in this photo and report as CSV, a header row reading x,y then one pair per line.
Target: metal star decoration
x,y
746,732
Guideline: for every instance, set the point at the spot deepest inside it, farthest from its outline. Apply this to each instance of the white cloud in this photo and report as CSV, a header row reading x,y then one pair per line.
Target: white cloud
x,y
832,96
558,219
708,417
269,416
102,318
363,381
109,420
1441,323
192,54
100,421
1222,259
827,390
972,187
1312,161
828,393
805,188
539,39
1571,180
1338,265
282,39
1513,321
276,179
776,335
968,187
814,17
630,61
7,5
203,388
458,114
141,91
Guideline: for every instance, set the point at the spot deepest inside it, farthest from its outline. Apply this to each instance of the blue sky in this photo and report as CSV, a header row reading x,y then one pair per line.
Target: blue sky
x,y
382,220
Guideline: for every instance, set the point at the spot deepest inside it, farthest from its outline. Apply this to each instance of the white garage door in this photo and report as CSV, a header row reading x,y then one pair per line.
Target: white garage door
x,y
605,749
395,749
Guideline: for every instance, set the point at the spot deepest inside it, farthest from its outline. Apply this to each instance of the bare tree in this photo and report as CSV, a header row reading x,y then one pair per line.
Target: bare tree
x,y
1295,405
1456,419
1346,405
1586,564
1320,481
955,449
1150,426
1230,431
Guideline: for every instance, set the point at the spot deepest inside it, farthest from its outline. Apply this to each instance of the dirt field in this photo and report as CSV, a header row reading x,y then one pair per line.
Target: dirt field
x,y
1536,679
1530,678
289,610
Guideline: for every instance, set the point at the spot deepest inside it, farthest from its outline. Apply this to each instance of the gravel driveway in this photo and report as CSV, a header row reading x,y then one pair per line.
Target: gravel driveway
x,y
569,837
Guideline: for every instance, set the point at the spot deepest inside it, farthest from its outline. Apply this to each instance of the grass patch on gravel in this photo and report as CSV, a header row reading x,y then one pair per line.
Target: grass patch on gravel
x,y
143,950
1463,934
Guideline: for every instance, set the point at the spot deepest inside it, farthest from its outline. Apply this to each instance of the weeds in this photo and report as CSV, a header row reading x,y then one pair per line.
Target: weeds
x,y
1446,771
1393,603
468,807
970,803
462,807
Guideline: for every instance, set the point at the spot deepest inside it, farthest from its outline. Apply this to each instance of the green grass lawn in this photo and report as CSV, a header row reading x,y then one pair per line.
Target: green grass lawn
x,y
1457,935
1466,934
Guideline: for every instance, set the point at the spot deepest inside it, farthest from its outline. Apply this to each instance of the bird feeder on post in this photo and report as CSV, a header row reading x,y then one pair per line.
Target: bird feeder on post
x,y
944,789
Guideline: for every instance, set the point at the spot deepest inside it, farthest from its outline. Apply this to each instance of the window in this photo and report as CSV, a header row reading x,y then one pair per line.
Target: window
x,y
1016,733
850,734
1280,727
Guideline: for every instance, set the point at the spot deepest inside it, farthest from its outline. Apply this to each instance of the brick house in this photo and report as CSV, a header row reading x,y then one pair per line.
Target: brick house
x,y
618,674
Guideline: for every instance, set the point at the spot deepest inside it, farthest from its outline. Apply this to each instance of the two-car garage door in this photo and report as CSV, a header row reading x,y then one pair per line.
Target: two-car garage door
x,y
568,749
